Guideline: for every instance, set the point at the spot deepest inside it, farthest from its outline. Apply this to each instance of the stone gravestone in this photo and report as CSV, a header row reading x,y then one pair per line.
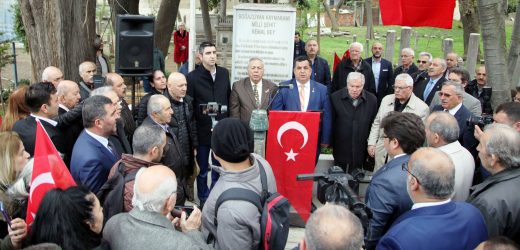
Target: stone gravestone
x,y
265,31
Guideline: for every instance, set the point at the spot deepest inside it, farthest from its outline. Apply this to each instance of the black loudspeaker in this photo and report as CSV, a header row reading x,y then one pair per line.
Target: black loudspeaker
x,y
134,45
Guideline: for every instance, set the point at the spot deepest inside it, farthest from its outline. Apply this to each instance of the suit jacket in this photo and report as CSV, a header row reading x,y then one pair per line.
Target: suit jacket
x,y
411,70
148,230
242,99
454,225
91,162
418,89
414,105
387,197
26,128
466,137
71,134
339,80
386,80
120,139
84,90
289,100
470,102
321,71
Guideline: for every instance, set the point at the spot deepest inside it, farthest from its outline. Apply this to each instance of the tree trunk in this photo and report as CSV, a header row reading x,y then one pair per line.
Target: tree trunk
x,y
337,7
222,9
123,7
164,24
493,34
514,49
204,9
333,21
60,33
370,26
470,22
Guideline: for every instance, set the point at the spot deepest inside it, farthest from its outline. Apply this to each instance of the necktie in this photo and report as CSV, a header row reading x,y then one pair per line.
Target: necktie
x,y
302,96
255,92
428,89
113,149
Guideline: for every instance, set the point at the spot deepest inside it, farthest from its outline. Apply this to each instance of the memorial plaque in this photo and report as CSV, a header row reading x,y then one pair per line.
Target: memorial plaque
x,y
265,31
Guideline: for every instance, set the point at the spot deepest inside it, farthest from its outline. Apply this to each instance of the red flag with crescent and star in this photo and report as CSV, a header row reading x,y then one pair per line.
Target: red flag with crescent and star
x,y
418,13
49,171
292,139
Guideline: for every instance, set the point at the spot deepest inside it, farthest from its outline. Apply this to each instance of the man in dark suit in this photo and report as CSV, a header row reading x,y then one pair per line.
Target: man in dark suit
x,y
87,70
251,93
93,155
42,101
354,110
435,222
451,101
160,114
352,64
383,75
426,89
386,195
320,67
118,85
407,66
68,98
306,95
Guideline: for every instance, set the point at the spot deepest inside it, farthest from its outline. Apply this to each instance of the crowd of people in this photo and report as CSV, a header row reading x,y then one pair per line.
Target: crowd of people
x,y
436,175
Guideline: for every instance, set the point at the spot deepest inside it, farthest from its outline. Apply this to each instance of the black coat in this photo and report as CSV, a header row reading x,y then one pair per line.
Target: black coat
x,y
410,71
120,139
26,128
351,127
203,90
142,109
418,89
71,134
339,81
386,80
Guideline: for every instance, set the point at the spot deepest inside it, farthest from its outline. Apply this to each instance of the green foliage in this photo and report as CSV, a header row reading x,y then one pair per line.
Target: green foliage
x,y
511,6
24,82
5,57
19,29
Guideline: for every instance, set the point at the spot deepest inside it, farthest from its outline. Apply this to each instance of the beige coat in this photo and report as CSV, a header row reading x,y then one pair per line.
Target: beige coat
x,y
415,106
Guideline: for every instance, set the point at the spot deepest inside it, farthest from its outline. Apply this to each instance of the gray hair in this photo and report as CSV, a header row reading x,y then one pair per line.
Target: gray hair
x,y
406,78
443,63
333,227
147,137
62,88
154,105
459,90
154,201
252,59
356,76
445,125
18,190
408,51
45,73
84,64
436,183
504,143
101,91
429,55
94,108
360,45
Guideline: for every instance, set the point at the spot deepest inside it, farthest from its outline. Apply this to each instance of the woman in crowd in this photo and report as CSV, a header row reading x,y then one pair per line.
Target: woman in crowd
x,y
16,108
71,218
158,83
181,39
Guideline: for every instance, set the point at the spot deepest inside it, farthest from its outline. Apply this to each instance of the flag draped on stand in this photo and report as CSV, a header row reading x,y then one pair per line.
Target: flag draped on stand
x,y
291,150
418,13
49,171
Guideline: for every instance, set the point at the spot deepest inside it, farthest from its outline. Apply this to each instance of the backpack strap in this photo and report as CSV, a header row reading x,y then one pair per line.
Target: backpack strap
x,y
263,179
240,194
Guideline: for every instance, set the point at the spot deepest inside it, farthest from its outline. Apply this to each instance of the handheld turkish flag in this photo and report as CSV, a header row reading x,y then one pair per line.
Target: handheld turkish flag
x,y
412,13
292,139
346,55
336,62
49,171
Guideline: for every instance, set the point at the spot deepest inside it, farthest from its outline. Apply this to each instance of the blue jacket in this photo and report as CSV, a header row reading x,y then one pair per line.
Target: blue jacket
x,y
91,162
454,225
289,100
387,198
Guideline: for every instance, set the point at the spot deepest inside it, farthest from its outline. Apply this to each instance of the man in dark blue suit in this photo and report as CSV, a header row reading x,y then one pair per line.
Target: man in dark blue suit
x,y
435,222
93,155
320,67
451,101
306,95
386,195
426,88
383,75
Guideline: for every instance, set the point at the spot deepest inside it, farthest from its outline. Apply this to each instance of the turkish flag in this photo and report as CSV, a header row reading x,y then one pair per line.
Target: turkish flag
x,y
418,13
49,171
336,62
292,139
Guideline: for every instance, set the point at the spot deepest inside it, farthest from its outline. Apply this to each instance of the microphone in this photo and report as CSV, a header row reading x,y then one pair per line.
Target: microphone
x,y
289,86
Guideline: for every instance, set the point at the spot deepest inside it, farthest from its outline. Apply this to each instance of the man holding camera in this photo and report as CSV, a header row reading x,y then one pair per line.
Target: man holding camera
x,y
209,83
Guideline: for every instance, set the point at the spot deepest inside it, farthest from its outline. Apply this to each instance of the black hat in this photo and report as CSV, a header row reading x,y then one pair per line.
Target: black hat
x,y
232,140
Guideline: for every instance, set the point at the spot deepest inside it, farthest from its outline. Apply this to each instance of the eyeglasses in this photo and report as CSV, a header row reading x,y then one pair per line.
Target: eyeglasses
x,y
404,167
401,88
423,62
444,94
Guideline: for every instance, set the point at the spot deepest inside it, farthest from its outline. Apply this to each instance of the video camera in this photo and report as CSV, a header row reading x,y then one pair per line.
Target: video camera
x,y
212,109
338,187
481,121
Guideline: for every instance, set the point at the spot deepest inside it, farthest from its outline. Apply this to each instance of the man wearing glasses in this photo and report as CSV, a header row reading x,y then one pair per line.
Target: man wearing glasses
x,y
423,63
436,221
386,195
407,65
426,89
403,100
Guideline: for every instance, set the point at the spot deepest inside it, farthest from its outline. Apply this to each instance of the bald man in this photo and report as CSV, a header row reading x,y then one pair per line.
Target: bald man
x,y
87,70
155,191
383,73
119,87
53,75
434,222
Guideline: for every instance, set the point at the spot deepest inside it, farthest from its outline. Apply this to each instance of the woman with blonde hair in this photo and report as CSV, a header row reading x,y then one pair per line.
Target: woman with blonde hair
x,y
16,108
